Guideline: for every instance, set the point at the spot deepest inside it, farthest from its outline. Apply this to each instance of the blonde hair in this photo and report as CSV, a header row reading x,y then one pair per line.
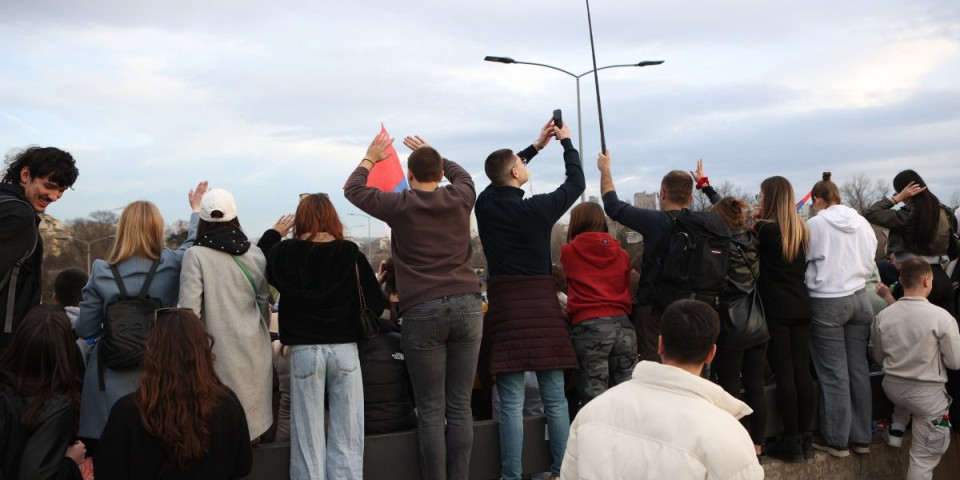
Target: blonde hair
x,y
777,206
139,233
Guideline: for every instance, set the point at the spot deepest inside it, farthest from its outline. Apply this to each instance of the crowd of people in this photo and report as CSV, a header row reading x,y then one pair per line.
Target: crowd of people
x,y
161,363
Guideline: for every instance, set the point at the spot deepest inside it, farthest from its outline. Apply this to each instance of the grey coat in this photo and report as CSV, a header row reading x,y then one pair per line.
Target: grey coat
x,y
102,289
214,286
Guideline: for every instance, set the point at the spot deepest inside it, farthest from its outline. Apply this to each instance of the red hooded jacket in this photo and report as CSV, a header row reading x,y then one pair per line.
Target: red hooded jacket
x,y
598,277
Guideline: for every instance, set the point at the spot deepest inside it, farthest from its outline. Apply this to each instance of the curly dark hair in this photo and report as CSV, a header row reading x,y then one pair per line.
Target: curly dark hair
x,y
42,161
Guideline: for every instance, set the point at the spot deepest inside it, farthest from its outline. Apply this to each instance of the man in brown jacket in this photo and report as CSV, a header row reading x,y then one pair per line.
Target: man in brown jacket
x,y
439,294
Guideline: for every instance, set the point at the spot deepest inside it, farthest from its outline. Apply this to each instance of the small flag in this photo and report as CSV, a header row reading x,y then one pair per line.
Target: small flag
x,y
803,202
388,175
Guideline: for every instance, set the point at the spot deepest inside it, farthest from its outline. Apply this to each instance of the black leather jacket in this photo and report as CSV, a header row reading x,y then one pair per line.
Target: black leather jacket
x,y
37,454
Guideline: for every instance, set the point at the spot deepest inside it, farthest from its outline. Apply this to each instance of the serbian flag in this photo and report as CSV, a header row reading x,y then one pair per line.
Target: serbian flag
x,y
388,175
803,201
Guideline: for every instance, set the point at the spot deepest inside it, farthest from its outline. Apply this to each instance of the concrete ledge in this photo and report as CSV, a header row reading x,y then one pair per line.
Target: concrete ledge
x,y
396,456
883,462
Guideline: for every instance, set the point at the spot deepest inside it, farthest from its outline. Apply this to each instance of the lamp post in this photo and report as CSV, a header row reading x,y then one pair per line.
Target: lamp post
x,y
86,243
368,230
508,60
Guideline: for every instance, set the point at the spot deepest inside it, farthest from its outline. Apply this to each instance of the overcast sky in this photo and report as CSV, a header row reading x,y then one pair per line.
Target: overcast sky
x,y
271,99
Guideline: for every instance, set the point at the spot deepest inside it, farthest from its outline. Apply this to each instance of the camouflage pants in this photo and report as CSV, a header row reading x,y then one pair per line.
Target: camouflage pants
x,y
606,351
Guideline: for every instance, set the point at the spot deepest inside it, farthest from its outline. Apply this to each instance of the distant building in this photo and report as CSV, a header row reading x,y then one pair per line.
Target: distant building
x,y
593,199
645,200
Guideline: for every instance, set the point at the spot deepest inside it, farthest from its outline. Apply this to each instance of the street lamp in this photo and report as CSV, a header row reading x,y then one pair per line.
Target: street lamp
x,y
86,243
508,60
368,230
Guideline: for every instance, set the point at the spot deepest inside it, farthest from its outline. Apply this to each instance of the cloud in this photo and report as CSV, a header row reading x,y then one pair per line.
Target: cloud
x,y
272,100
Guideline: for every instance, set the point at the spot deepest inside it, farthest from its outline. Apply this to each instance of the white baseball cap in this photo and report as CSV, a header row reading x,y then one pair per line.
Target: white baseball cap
x,y
218,205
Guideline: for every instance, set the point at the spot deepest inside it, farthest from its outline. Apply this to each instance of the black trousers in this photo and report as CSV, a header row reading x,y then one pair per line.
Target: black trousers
x,y
730,366
789,355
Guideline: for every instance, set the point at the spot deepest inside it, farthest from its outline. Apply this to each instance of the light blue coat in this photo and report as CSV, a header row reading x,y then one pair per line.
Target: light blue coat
x,y
102,289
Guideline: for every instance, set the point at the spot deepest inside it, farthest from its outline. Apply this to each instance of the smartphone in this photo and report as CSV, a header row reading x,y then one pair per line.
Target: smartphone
x,y
557,118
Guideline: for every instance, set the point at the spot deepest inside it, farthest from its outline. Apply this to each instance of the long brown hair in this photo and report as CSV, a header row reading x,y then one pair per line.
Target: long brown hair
x,y
139,233
778,206
179,390
42,356
586,217
316,214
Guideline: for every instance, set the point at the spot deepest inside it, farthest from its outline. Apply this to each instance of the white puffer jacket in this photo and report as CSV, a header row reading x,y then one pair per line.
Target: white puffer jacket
x,y
664,423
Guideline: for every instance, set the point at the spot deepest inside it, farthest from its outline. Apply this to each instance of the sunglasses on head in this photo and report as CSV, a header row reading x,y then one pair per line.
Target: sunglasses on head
x,y
305,195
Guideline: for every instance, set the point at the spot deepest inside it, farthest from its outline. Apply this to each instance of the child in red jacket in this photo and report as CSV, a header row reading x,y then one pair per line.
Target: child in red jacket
x,y
598,302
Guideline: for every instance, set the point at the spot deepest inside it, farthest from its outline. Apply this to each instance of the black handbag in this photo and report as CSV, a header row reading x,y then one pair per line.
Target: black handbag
x,y
745,324
369,320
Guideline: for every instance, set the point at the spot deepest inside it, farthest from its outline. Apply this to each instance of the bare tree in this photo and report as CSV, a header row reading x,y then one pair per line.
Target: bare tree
x,y
955,199
726,188
881,189
176,233
857,191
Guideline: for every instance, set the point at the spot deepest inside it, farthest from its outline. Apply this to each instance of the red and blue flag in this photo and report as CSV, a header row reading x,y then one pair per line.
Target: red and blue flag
x,y
388,175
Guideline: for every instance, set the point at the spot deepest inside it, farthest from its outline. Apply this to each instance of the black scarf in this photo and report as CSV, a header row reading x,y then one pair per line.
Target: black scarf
x,y
225,239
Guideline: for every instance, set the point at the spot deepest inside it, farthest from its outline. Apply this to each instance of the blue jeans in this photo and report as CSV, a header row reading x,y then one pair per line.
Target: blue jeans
x,y
441,342
511,387
838,347
338,452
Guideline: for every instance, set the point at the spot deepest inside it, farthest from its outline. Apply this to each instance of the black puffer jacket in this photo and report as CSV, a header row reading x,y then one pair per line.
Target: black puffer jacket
x,y
39,452
387,393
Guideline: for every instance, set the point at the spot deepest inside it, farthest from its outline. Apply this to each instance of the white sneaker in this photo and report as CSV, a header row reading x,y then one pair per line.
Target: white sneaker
x,y
894,438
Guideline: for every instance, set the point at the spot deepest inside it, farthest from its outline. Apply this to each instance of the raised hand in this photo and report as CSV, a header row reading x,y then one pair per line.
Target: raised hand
x,y
562,132
377,151
603,161
547,132
284,225
912,189
415,142
196,195
698,173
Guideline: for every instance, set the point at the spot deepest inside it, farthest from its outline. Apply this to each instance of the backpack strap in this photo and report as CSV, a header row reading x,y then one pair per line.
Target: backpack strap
x,y
10,278
150,275
146,283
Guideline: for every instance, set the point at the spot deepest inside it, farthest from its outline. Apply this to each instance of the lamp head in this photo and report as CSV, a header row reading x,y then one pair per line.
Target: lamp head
x,y
647,63
499,59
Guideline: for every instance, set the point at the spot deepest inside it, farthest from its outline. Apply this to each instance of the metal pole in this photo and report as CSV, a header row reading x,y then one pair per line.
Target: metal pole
x,y
89,265
369,251
583,194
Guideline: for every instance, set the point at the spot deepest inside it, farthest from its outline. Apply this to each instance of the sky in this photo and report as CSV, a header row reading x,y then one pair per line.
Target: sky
x,y
271,99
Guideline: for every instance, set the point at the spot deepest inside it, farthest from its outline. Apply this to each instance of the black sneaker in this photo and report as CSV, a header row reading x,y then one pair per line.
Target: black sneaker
x,y
807,444
861,448
788,449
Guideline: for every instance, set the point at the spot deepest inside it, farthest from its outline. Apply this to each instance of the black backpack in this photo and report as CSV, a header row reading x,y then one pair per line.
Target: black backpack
x,y
126,326
693,260
10,277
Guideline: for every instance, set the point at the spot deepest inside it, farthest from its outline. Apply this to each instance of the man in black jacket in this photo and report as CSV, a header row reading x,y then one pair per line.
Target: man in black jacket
x,y
524,329
34,178
676,194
